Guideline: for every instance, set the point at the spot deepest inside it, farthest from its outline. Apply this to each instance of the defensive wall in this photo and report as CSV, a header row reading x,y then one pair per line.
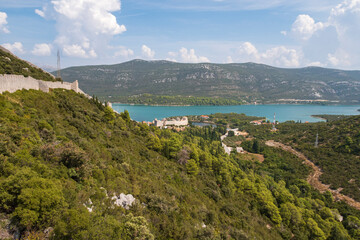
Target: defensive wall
x,y
12,83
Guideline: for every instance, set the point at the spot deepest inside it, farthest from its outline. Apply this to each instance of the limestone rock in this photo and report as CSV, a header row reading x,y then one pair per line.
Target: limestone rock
x,y
123,200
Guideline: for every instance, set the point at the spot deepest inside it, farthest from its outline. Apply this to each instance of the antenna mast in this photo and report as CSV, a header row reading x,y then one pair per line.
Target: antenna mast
x,y
317,140
58,65
274,128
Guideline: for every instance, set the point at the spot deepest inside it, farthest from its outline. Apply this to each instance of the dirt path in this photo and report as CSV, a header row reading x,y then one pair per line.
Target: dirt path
x,y
314,176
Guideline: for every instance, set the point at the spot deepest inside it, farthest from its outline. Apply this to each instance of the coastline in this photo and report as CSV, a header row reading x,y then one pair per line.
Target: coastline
x,y
314,116
275,103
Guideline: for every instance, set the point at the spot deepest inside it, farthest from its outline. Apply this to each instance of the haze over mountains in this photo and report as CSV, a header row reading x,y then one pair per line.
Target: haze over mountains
x,y
249,81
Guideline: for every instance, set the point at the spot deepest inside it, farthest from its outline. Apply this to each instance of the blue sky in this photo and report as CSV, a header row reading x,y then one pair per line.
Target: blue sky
x,y
279,33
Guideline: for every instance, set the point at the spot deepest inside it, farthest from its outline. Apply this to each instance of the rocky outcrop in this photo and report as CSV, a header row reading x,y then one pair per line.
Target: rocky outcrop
x,y
123,200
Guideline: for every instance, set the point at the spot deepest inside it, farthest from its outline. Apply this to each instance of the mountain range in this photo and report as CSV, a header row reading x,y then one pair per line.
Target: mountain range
x,y
237,81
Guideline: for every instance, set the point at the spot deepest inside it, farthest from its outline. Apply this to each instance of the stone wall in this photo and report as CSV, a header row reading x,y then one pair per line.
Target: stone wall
x,y
12,83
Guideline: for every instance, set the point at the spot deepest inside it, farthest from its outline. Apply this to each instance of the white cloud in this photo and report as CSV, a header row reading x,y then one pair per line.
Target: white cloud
x,y
42,49
333,60
124,52
281,56
91,15
84,27
189,56
278,56
76,50
283,33
40,13
3,23
248,49
147,52
304,27
173,54
16,47
229,59
334,42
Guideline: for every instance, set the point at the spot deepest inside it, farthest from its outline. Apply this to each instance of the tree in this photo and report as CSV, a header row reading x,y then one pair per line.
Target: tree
x,y
192,167
154,142
174,145
109,114
126,116
256,146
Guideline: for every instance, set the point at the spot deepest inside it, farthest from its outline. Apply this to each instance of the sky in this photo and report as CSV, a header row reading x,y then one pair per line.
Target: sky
x,y
280,33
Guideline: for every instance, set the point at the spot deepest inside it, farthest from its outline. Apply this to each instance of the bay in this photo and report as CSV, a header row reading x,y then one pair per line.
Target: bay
x,y
284,112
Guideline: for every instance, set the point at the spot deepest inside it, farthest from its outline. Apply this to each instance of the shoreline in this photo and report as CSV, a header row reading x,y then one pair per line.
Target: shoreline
x,y
246,104
314,116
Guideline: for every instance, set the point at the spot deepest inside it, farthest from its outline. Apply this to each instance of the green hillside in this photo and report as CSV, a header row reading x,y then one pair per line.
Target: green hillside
x,y
10,64
248,81
70,153
337,153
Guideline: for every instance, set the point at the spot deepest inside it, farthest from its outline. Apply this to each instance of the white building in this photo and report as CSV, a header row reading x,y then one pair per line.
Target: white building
x,y
171,122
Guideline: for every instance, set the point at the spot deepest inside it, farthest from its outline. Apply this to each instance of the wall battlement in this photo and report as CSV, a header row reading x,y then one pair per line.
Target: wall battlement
x,y
12,83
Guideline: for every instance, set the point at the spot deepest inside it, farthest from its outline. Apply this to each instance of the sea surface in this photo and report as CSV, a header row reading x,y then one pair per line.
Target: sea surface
x,y
283,112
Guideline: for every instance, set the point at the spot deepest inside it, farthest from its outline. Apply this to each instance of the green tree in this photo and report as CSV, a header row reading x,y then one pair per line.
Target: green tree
x,y
192,167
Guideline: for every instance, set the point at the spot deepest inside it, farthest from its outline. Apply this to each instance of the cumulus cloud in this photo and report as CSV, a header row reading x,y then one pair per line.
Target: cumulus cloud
x,y
84,27
173,54
42,49
279,56
335,41
16,47
189,56
3,22
304,27
76,50
147,52
333,60
124,52
248,49
229,59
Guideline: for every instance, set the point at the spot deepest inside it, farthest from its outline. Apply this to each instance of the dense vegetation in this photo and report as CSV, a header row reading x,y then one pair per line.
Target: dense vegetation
x,y
10,64
232,120
151,99
337,153
247,81
58,155
329,117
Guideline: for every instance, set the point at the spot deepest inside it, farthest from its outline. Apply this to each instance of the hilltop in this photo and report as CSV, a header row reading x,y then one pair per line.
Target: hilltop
x,y
245,81
11,64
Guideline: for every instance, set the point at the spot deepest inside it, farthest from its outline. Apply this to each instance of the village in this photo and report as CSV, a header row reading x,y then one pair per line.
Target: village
x,y
180,123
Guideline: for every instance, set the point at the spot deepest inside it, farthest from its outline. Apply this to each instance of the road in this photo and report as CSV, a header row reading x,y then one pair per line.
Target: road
x,y
314,177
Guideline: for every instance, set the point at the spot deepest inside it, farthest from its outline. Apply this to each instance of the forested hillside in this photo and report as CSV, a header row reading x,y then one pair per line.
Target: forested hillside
x,y
337,152
247,81
61,162
10,64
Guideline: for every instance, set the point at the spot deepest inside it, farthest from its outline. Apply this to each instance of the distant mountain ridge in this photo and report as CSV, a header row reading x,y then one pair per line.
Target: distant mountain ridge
x,y
249,81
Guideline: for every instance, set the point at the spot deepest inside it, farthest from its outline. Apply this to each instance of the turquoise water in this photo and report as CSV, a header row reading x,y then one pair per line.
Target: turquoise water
x,y
283,112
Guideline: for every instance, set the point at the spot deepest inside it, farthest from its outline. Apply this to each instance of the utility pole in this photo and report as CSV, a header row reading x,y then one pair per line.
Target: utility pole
x,y
317,140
